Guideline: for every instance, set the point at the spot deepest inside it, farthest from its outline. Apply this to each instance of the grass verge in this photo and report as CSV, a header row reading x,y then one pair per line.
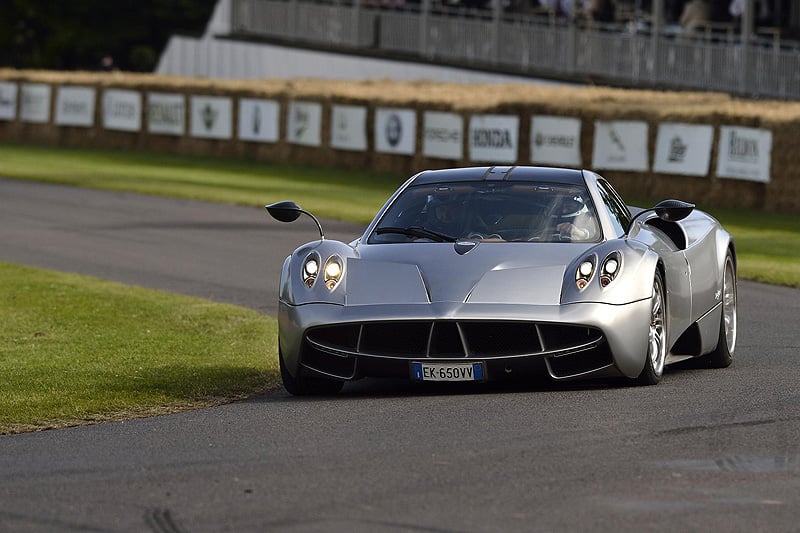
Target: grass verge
x,y
331,193
76,350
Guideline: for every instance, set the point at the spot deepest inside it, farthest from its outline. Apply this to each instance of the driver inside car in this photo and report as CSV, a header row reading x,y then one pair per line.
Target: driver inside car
x,y
448,217
575,221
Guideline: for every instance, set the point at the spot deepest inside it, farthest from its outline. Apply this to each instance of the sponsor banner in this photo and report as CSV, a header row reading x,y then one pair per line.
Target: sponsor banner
x,y
349,127
259,120
122,110
493,138
304,123
166,113
75,106
620,145
35,103
443,135
8,100
683,149
395,131
744,153
556,141
212,117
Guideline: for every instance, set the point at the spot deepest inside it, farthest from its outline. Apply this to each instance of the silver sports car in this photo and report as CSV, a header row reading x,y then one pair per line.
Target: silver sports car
x,y
477,274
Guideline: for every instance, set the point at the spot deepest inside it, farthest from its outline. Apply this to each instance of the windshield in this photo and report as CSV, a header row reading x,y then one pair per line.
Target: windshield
x,y
490,211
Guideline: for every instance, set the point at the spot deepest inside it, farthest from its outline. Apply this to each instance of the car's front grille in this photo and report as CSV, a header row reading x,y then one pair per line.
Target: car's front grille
x,y
452,339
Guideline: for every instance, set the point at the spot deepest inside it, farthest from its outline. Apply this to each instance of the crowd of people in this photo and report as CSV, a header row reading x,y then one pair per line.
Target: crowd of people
x,y
690,14
686,16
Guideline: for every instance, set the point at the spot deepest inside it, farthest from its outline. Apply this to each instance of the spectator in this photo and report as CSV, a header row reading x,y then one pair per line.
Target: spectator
x,y
736,8
695,15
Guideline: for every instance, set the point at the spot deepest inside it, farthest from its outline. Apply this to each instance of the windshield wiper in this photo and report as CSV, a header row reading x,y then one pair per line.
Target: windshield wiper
x,y
417,231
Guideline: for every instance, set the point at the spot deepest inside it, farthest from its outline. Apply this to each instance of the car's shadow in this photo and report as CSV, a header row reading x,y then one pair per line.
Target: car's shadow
x,y
401,388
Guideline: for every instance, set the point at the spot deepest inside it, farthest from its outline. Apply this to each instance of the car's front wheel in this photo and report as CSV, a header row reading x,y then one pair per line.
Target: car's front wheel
x,y
657,336
722,356
305,386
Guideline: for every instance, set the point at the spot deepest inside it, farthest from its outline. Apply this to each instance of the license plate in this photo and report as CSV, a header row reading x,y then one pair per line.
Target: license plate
x,y
448,371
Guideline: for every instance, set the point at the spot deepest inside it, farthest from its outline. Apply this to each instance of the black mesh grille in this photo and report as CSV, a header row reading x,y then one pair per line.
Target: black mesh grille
x,y
396,338
341,337
493,339
558,337
446,341
451,339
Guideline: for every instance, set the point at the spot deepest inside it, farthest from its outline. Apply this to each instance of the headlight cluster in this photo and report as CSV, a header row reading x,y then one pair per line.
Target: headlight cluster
x,y
584,273
332,271
311,269
608,270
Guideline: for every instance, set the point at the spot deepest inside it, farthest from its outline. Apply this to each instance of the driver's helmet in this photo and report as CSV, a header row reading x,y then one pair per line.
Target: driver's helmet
x,y
571,208
445,214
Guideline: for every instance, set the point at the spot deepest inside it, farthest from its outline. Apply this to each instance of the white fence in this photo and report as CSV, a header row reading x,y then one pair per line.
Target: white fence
x,y
529,45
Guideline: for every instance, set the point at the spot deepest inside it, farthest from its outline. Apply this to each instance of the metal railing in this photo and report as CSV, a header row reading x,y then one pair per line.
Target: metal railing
x,y
533,44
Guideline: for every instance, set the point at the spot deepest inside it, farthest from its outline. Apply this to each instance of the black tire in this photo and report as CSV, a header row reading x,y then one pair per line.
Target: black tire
x,y
305,386
722,356
657,338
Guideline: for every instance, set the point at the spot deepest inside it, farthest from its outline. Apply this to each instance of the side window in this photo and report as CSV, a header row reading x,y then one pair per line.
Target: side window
x,y
620,216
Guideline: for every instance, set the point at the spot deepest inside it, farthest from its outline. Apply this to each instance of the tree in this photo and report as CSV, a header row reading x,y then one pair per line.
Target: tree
x,y
52,34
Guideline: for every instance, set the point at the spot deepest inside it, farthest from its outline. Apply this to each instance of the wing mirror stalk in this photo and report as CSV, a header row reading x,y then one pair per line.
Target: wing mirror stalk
x,y
667,210
288,211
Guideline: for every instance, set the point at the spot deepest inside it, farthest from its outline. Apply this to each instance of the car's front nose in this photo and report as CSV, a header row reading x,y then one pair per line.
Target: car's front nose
x,y
574,340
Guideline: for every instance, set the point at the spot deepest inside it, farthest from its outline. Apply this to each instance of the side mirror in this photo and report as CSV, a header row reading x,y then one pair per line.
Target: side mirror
x,y
673,210
668,210
288,211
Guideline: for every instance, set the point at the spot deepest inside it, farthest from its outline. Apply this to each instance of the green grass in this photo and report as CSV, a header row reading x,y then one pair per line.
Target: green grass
x,y
767,244
75,349
331,193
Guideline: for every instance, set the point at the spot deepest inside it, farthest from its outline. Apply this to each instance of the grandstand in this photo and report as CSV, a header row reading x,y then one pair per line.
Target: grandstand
x,y
642,45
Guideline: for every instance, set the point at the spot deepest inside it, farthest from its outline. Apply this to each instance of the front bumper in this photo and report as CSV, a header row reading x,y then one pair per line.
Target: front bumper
x,y
581,340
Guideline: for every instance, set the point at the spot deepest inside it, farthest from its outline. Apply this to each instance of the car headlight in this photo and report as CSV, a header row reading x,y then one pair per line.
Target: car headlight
x,y
334,268
584,273
311,269
610,268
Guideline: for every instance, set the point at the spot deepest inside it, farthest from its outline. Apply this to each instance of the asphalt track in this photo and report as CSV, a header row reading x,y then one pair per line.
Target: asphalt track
x,y
705,450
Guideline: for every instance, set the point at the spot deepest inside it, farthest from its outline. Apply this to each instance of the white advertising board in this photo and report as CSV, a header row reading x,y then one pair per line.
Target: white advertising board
x,y
443,135
395,131
683,149
744,153
556,141
620,145
75,106
35,103
259,120
8,100
304,123
211,117
122,110
349,127
166,113
494,138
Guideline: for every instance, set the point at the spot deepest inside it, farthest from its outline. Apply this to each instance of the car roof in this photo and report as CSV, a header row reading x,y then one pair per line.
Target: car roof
x,y
498,173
